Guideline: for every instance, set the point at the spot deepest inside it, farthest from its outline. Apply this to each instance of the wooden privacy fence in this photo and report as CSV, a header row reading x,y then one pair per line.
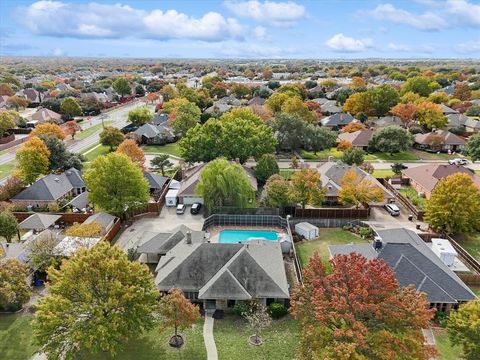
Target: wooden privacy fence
x,y
331,213
110,235
65,217
404,201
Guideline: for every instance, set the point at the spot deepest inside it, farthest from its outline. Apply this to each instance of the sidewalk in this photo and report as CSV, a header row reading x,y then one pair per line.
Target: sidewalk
x,y
208,338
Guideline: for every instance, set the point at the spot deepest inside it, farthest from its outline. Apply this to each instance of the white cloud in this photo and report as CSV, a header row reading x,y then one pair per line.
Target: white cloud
x,y
424,49
94,20
465,13
425,21
58,52
255,51
342,43
468,47
270,12
260,33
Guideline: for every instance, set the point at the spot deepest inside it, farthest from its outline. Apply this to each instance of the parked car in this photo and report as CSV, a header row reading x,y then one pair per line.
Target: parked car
x,y
195,209
458,161
181,209
392,209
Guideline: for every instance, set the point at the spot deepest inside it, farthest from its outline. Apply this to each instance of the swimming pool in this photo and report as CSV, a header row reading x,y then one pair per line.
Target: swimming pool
x,y
234,236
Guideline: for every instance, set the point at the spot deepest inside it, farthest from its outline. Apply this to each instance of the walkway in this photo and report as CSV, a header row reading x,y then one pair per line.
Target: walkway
x,y
208,338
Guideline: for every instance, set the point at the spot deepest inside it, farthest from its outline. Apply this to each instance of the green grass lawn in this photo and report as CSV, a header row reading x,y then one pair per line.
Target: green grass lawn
x,y
171,149
287,173
96,152
321,155
401,156
91,130
383,173
331,236
471,243
412,194
476,290
6,169
154,345
425,155
232,333
16,336
446,350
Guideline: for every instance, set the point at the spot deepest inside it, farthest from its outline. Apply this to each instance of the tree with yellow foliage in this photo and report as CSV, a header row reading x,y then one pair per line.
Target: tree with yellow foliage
x,y
93,229
130,148
33,160
356,190
49,129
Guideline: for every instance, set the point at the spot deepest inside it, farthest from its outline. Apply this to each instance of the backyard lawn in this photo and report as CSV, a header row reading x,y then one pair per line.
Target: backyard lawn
x,y
382,173
16,336
412,194
232,333
154,345
446,350
331,236
471,243
171,149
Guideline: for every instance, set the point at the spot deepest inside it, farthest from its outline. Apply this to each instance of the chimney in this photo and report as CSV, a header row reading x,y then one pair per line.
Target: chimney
x,y
377,243
189,237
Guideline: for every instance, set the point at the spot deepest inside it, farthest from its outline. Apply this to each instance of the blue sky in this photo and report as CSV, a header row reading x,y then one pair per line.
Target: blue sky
x,y
241,29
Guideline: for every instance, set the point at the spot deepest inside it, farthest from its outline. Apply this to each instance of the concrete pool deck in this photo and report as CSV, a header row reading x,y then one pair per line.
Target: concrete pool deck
x,y
214,231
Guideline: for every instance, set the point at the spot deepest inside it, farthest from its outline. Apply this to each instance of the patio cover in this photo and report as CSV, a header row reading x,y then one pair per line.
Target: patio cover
x,y
39,221
80,202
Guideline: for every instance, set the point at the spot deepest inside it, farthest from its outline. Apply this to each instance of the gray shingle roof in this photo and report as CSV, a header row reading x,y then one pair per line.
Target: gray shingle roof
x,y
155,181
39,221
102,218
337,119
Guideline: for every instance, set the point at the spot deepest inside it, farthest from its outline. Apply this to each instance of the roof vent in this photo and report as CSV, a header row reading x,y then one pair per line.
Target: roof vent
x,y
56,179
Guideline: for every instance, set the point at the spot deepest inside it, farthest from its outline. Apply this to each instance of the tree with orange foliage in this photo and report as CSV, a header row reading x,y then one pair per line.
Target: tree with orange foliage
x,y
344,145
71,128
152,97
352,127
49,129
175,310
357,190
306,188
357,82
359,311
462,92
130,148
406,112
262,112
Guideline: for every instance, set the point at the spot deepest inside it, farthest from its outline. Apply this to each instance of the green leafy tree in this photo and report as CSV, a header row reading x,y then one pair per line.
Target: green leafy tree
x,y
14,288
290,131
225,184
41,252
60,158
203,143
111,137
140,116
7,122
464,329
430,116
391,139
162,162
116,184
8,225
472,148
266,167
184,117
318,138
397,168
382,99
17,102
295,106
276,101
353,156
97,300
32,159
454,206
122,87
275,192
70,108
177,312
306,188
139,90
421,85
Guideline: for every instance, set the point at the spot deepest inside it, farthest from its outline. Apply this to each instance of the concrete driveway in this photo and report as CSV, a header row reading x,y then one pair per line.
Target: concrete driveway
x,y
381,219
144,229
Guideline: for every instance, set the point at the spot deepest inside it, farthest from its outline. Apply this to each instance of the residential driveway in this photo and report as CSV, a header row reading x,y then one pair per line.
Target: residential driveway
x,y
381,219
144,229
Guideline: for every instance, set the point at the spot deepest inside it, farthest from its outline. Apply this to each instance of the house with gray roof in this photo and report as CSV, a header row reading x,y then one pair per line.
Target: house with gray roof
x,y
105,220
221,275
51,188
331,174
43,115
414,263
439,140
155,181
359,139
152,134
337,121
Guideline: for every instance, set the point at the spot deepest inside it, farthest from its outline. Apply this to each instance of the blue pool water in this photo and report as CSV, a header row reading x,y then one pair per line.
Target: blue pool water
x,y
234,236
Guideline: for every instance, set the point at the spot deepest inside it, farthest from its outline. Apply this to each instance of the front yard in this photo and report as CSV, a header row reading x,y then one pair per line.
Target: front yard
x,y
6,169
16,337
170,149
331,236
444,347
232,333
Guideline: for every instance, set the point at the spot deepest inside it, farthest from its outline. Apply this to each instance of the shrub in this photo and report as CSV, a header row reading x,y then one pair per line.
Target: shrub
x,y
365,232
441,317
240,309
277,310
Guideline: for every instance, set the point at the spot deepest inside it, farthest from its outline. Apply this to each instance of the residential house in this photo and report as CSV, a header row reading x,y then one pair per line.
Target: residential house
x,y
337,121
449,90
3,102
187,193
456,120
447,110
359,139
256,101
415,264
14,251
101,97
51,188
32,95
152,134
439,140
388,121
331,174
218,276
424,178
43,115
229,100
472,125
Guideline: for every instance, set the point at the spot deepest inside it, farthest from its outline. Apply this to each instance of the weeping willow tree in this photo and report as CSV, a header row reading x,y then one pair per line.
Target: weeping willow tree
x,y
224,183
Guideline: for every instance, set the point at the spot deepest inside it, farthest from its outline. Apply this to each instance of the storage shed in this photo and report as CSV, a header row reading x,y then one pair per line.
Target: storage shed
x,y
307,230
171,197
445,251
